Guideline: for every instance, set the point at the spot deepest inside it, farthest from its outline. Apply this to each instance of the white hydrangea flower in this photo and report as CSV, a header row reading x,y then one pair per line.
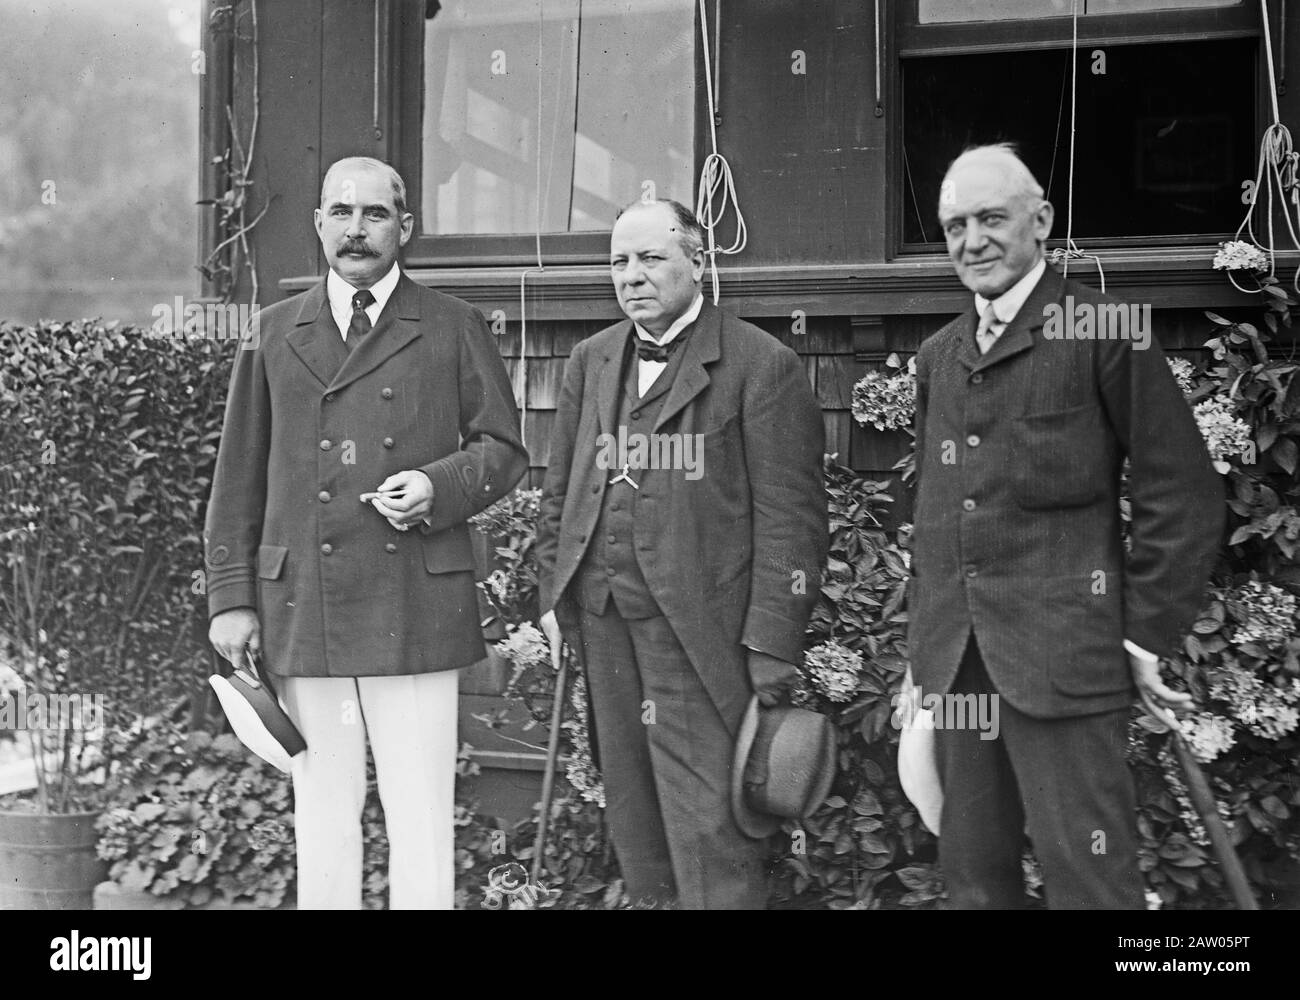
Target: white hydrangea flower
x,y
887,402
1271,615
1225,434
1238,255
1207,735
1184,373
834,670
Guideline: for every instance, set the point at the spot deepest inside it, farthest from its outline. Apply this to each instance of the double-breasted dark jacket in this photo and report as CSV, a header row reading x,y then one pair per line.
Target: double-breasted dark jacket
x,y
309,427
733,557
1017,523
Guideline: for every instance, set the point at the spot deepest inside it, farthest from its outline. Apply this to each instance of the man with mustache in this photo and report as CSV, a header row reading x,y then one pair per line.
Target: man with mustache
x,y
1023,588
365,384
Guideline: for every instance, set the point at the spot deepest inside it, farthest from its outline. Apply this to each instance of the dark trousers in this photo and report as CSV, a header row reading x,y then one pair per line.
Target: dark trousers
x,y
665,755
1065,780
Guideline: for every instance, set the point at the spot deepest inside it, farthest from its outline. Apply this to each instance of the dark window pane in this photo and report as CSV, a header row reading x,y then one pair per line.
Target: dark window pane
x,y
617,90
1165,136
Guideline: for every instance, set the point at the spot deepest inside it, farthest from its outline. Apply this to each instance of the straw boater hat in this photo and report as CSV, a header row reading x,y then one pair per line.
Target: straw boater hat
x,y
918,768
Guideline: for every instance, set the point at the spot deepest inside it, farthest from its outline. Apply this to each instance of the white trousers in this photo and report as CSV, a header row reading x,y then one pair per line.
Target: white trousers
x,y
411,724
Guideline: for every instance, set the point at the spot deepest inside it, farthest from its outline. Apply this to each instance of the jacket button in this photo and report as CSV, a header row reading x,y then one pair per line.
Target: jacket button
x,y
611,538
610,571
390,547
324,496
595,488
388,442
487,487
973,440
582,538
326,445
616,505
326,549
968,504
970,569
977,378
636,414
386,392
329,398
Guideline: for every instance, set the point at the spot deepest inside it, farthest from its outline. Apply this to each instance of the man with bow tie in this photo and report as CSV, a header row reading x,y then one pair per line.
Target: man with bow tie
x,y
686,591
1024,588
366,387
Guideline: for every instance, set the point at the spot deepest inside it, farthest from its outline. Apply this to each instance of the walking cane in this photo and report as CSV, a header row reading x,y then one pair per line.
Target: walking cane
x,y
552,758
1202,798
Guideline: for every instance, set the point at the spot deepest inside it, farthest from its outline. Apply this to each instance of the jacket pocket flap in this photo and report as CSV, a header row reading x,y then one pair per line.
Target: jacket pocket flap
x,y
270,561
449,551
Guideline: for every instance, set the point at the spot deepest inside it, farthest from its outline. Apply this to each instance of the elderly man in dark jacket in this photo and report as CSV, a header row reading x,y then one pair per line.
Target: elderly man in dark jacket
x,y
1023,591
366,384
682,534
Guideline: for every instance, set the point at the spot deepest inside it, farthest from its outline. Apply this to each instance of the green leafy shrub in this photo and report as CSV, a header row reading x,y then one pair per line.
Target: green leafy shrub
x,y
195,817
192,817
107,439
865,846
1240,661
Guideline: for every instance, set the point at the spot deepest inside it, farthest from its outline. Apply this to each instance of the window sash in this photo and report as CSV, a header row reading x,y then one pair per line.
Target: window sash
x,y
913,39
491,249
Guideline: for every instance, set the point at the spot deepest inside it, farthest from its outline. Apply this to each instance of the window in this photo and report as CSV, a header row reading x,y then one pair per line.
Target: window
x,y
1167,127
932,11
596,98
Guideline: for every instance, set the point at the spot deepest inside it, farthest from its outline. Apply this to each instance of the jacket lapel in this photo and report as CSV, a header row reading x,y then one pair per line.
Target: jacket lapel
x,y
609,382
315,338
398,325
703,348
1019,336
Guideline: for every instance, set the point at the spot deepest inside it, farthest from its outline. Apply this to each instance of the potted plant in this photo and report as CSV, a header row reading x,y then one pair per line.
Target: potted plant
x,y
106,434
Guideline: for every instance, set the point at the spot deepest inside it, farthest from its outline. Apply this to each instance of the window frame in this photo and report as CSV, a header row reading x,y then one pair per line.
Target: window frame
x,y
492,249
911,39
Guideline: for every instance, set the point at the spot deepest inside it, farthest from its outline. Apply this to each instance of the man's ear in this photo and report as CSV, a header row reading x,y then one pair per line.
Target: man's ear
x,y
1043,220
698,263
316,219
408,227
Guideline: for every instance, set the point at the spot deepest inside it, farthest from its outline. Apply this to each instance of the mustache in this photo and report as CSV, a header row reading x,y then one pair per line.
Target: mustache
x,y
357,246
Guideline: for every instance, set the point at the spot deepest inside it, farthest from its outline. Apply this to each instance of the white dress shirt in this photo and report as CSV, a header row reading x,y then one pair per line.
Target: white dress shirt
x,y
648,371
340,295
1007,305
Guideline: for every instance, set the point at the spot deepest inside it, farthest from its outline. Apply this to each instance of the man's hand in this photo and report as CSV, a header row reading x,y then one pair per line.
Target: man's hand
x,y
551,629
414,498
772,679
1158,698
234,631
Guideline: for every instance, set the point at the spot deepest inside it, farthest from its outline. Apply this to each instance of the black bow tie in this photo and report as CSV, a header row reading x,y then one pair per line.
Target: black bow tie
x,y
647,351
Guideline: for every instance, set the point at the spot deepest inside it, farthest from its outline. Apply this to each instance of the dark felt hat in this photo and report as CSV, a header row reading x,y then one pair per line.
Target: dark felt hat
x,y
783,766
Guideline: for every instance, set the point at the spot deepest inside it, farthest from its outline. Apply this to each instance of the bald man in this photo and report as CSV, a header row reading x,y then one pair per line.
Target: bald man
x,y
682,532
1023,592
363,613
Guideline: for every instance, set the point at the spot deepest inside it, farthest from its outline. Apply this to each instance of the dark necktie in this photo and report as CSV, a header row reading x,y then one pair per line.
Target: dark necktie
x,y
360,324
647,351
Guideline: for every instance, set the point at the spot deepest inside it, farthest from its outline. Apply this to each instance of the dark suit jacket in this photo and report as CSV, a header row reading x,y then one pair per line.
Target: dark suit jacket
x,y
735,556
1017,532
308,429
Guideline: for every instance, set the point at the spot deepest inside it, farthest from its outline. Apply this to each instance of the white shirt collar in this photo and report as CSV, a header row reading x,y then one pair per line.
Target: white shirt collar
x,y
679,324
1007,305
340,295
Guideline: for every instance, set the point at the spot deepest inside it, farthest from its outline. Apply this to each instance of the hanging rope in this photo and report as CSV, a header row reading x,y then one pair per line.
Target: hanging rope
x,y
1063,255
522,370
715,178
1278,160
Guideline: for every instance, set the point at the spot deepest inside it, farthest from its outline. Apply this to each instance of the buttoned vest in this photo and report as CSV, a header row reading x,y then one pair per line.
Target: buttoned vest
x,y
610,567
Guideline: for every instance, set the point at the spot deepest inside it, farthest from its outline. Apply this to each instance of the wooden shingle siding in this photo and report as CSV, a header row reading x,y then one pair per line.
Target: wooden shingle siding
x,y
833,366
